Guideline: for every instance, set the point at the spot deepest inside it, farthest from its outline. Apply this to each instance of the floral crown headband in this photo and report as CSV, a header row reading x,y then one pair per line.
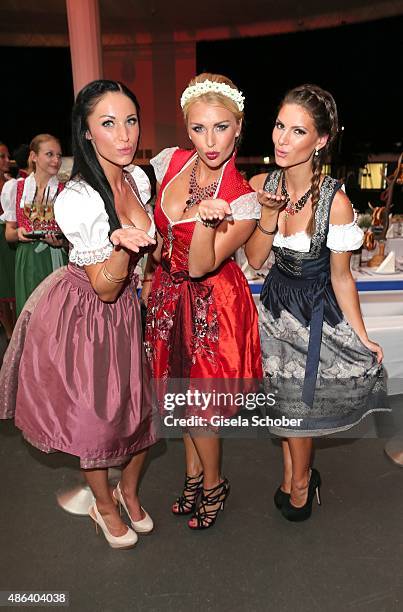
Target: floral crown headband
x,y
206,86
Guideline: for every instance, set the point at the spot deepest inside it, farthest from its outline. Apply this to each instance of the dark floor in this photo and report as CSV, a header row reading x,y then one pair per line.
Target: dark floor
x,y
349,556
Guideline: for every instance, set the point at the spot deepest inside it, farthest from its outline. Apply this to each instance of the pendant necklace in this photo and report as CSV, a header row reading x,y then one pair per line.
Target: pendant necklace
x,y
197,193
292,208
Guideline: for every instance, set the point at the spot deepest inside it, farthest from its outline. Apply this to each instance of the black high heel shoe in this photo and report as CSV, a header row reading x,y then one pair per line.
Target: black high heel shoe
x,y
280,498
292,513
186,503
215,496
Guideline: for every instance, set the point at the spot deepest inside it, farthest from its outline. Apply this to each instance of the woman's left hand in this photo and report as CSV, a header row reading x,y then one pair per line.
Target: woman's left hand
x,y
131,238
273,201
210,210
375,348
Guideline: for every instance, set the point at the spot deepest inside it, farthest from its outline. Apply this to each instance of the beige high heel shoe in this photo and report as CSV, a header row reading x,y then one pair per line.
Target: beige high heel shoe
x,y
145,525
128,540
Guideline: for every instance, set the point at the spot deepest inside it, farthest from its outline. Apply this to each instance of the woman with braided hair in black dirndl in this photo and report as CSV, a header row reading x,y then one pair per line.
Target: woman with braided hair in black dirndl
x,y
317,358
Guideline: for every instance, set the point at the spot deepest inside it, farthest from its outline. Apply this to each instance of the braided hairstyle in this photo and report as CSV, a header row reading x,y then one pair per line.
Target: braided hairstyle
x,y
323,110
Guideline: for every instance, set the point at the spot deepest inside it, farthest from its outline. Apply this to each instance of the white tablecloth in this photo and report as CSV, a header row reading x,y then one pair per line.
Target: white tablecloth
x,y
388,332
382,310
392,244
396,245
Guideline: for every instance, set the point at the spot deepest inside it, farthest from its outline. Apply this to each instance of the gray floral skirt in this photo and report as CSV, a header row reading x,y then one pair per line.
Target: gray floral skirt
x,y
350,383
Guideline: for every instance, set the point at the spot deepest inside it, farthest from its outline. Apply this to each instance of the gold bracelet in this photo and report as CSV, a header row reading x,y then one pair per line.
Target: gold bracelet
x,y
266,231
110,278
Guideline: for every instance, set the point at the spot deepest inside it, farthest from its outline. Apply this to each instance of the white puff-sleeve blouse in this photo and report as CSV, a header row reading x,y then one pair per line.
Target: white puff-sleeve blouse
x,y
245,207
81,215
161,162
8,198
340,238
348,237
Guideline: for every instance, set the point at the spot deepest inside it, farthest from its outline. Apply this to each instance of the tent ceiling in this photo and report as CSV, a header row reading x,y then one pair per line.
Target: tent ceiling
x,y
47,18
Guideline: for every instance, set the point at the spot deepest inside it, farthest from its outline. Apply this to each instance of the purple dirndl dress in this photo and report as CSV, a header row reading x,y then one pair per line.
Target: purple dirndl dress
x,y
83,380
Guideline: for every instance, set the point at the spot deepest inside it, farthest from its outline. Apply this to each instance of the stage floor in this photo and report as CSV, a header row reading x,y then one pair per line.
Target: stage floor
x,y
347,557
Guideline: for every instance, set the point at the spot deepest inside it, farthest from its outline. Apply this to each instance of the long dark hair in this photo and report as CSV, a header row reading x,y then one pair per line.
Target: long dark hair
x,y
321,106
86,164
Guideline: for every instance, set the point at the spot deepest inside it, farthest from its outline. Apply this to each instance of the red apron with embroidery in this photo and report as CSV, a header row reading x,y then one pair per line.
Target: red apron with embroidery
x,y
201,329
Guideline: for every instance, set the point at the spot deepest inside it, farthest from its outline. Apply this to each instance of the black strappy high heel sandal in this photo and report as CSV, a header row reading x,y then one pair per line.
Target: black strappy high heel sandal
x,y
214,497
186,503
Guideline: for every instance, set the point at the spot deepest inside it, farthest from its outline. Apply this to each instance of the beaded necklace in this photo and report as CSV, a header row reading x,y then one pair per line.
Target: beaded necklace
x,y
292,208
197,193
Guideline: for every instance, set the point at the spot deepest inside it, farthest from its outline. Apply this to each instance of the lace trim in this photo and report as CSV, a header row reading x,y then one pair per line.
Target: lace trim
x,y
246,207
86,258
161,162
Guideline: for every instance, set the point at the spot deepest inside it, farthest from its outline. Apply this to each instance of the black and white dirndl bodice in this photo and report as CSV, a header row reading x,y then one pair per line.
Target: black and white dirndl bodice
x,y
323,378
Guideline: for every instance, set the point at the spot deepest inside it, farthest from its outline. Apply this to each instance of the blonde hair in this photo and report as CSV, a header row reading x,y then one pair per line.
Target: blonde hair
x,y
212,97
35,145
36,142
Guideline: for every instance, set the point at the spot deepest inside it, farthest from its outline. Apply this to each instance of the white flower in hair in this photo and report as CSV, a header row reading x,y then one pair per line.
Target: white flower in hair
x,y
206,86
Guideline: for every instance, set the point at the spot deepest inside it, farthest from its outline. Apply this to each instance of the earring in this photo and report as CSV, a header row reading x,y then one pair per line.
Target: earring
x,y
316,152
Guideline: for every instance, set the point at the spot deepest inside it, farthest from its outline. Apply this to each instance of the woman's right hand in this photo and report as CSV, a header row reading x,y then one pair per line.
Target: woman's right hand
x,y
374,347
272,201
131,238
21,231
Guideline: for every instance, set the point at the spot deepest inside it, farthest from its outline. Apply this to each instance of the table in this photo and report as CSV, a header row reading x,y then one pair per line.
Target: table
x,y
392,244
396,245
366,281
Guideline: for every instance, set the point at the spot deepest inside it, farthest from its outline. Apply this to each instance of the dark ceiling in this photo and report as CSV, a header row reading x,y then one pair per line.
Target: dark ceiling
x,y
44,22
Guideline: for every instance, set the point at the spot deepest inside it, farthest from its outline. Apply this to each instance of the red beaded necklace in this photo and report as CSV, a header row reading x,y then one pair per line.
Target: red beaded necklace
x,y
292,208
